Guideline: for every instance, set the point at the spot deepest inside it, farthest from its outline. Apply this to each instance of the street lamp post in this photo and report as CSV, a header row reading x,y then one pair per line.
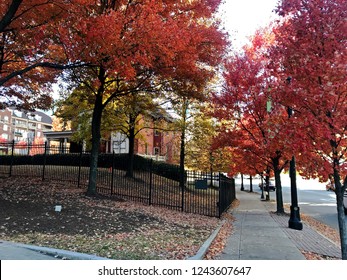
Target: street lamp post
x,y
294,220
242,186
250,183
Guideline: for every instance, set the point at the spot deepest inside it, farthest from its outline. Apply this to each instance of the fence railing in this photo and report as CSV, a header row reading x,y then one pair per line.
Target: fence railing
x,y
153,183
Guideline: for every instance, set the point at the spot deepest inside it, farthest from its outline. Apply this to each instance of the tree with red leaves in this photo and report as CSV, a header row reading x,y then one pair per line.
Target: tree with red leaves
x,y
311,48
254,123
29,51
137,46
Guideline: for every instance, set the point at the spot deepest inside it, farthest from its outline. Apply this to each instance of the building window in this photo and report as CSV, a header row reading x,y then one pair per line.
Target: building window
x,y
156,151
156,133
32,125
5,127
119,147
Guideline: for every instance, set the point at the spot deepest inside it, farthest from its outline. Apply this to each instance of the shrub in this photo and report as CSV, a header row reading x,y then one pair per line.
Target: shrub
x,y
163,169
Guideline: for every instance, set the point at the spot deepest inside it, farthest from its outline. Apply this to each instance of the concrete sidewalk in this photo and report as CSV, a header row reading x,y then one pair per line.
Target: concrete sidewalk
x,y
259,234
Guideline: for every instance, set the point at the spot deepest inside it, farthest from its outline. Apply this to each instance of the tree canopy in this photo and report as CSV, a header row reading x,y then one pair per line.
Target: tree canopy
x,y
297,69
30,53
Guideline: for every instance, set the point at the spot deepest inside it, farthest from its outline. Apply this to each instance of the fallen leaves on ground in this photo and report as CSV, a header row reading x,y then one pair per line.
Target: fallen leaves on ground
x,y
323,229
218,244
314,256
111,228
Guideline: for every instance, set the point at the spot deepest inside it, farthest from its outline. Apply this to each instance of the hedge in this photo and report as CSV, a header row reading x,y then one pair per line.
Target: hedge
x,y
163,169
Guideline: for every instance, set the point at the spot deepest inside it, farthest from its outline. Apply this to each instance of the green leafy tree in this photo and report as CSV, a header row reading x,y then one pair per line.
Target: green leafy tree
x,y
201,153
131,115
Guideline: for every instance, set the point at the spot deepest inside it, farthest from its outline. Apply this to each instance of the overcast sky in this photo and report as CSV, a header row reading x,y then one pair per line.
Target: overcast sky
x,y
242,17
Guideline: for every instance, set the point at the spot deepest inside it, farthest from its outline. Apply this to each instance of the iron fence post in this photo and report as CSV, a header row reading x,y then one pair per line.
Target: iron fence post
x,y
182,198
44,162
220,197
11,163
112,173
79,170
150,181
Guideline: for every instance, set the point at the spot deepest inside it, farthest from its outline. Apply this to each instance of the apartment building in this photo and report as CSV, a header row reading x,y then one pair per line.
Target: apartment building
x,y
23,126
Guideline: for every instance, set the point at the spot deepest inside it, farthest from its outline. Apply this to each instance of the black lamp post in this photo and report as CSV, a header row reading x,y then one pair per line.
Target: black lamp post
x,y
294,220
250,183
242,186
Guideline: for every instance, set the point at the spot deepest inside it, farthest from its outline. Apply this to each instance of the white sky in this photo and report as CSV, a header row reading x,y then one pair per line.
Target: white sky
x,y
242,17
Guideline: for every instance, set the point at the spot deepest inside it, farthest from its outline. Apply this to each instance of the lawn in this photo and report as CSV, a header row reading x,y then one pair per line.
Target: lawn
x,y
115,229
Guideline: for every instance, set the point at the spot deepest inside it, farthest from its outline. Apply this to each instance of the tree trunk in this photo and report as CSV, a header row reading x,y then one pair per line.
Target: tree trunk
x,y
96,134
211,168
182,158
130,170
278,185
339,190
7,18
96,137
183,144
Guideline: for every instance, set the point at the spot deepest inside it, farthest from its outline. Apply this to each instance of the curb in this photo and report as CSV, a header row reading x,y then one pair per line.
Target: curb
x,y
203,249
60,254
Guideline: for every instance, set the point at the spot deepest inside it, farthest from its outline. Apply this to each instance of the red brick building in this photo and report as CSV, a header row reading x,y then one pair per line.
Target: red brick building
x,y
152,143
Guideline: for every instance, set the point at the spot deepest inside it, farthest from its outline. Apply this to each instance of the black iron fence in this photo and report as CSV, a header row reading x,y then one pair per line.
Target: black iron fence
x,y
153,183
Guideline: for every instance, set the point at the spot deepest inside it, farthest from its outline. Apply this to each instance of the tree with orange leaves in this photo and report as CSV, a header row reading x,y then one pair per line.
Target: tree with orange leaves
x,y
138,46
37,147
29,51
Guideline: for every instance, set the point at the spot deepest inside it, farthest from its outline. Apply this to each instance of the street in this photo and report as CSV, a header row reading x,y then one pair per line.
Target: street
x,y
314,200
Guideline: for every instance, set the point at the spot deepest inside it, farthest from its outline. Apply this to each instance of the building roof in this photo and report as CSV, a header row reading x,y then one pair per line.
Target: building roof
x,y
161,113
31,115
56,135
45,118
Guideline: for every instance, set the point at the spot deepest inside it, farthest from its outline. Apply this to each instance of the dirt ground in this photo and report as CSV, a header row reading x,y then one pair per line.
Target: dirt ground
x,y
109,228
